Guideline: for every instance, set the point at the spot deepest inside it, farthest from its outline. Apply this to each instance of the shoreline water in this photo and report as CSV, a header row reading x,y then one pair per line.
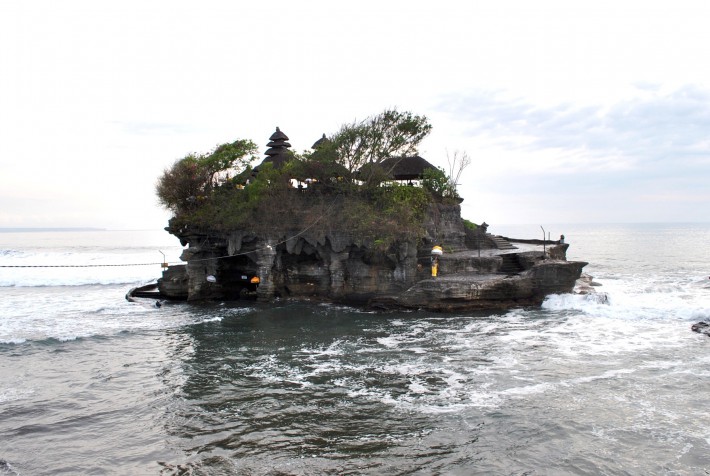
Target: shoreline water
x,y
95,384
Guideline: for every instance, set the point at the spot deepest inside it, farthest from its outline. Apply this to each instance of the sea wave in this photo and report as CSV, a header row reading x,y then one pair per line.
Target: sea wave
x,y
558,302
648,298
78,265
53,315
70,282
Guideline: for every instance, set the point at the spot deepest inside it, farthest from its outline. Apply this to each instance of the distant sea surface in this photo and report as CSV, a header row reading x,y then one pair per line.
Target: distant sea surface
x,y
93,384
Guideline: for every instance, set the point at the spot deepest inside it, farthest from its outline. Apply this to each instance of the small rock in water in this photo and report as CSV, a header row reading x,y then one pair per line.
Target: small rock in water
x,y
701,327
599,298
6,468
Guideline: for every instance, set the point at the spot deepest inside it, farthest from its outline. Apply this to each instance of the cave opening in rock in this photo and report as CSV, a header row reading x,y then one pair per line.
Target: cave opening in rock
x,y
236,275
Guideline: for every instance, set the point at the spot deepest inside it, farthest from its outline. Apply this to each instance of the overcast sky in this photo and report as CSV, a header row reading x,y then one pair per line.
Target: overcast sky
x,y
573,112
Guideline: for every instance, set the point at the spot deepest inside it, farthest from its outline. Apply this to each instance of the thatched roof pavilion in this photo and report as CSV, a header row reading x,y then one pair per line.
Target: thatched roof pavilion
x,y
320,142
402,168
406,168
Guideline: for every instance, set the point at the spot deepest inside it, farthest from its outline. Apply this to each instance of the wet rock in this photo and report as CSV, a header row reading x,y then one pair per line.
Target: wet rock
x,y
701,327
555,276
585,285
6,468
173,284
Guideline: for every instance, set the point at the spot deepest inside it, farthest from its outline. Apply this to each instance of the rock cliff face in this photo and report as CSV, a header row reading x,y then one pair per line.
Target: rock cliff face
x,y
327,265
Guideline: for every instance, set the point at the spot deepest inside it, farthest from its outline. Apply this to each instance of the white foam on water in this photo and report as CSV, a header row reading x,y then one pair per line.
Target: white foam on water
x,y
528,389
643,312
391,341
416,386
583,302
570,328
609,374
11,394
213,319
416,350
334,349
36,314
484,399
603,434
528,346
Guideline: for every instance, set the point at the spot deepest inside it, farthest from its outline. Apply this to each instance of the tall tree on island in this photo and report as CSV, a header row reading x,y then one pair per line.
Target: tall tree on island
x,y
389,134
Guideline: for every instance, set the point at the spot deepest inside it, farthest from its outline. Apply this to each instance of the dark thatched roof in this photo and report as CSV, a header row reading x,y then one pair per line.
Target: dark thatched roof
x,y
320,142
278,153
313,169
278,161
403,168
278,150
277,143
278,135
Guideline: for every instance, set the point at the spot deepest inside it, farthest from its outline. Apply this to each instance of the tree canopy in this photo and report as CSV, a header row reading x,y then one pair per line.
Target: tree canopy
x,y
389,134
218,190
191,178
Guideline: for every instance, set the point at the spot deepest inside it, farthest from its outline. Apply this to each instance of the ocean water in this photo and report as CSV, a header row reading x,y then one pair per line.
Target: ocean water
x,y
93,384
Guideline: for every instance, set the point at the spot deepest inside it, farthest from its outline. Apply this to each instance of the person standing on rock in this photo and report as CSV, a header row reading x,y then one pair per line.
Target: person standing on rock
x,y
436,251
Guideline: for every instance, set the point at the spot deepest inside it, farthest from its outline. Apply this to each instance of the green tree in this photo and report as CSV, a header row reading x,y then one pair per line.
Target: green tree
x,y
190,179
228,158
389,134
436,181
181,184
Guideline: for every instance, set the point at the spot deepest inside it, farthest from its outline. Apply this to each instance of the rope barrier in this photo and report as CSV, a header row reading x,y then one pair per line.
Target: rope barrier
x,y
75,265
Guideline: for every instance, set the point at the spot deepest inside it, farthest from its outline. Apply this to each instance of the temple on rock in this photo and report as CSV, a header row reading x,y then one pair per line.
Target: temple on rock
x,y
320,237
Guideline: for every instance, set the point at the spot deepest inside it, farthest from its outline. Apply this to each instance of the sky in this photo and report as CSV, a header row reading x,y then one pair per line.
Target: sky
x,y
571,112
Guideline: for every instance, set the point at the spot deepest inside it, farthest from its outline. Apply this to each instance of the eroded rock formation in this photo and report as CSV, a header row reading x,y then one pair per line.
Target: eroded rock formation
x,y
330,265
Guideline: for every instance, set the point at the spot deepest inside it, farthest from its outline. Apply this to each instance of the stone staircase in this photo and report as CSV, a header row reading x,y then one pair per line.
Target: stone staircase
x,y
500,242
511,264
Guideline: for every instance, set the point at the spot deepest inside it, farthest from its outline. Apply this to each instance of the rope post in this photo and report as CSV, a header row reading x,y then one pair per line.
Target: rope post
x,y
164,264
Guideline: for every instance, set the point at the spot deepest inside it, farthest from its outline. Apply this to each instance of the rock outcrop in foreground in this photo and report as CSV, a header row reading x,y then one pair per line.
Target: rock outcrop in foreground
x,y
477,270
702,327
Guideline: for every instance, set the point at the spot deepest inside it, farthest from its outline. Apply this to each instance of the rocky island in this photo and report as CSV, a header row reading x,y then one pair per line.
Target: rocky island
x,y
353,221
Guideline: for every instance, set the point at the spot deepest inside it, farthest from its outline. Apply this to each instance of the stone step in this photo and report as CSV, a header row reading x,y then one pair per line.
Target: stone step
x,y
501,243
510,264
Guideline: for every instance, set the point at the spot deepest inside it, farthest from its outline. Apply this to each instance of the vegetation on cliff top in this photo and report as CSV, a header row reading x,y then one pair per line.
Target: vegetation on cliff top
x,y
336,187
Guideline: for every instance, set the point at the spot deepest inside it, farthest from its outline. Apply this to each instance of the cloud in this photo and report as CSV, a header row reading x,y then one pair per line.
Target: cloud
x,y
154,128
629,156
661,132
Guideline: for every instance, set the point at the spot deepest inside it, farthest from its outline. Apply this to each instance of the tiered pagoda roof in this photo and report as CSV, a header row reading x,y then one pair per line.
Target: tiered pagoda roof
x,y
278,153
